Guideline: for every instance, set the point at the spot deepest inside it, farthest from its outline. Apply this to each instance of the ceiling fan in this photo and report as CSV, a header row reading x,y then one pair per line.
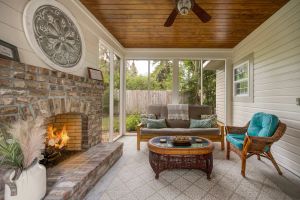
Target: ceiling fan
x,y
183,7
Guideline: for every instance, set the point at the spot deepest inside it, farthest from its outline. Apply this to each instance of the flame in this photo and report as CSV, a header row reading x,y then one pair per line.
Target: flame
x,y
56,138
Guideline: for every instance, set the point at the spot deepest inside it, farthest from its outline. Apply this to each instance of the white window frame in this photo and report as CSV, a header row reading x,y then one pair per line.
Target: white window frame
x,y
249,97
113,52
242,80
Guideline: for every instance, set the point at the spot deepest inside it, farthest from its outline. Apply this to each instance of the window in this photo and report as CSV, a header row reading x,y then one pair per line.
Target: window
x,y
241,79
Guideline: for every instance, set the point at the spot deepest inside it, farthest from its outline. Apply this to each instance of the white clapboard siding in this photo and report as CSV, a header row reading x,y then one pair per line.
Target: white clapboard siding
x,y
220,94
11,26
276,48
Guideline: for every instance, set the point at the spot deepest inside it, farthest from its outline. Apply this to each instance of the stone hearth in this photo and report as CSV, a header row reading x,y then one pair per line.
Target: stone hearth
x,y
73,178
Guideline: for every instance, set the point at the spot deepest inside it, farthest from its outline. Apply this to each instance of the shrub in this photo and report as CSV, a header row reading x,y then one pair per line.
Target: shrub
x,y
132,121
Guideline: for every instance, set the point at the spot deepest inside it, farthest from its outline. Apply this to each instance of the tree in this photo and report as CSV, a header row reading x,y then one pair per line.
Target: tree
x,y
190,81
161,77
133,80
209,88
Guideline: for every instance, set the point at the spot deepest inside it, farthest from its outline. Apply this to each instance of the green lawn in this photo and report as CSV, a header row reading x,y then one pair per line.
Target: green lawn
x,y
105,123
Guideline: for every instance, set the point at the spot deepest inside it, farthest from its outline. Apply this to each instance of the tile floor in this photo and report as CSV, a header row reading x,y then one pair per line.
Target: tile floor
x,y
132,178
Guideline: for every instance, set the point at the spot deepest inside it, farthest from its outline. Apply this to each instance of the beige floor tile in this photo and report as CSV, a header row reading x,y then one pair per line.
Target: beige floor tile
x,y
220,192
169,175
209,197
169,192
143,192
195,192
134,179
235,196
182,197
192,176
156,196
158,184
181,184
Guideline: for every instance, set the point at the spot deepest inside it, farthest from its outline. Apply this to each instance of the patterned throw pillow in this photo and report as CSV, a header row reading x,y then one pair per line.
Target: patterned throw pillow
x,y
145,117
214,120
200,123
156,123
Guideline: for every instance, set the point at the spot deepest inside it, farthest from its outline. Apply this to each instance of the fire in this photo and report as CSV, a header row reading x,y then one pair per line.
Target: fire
x,y
55,138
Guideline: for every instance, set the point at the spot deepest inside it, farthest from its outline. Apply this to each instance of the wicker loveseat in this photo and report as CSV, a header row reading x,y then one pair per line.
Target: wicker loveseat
x,y
180,127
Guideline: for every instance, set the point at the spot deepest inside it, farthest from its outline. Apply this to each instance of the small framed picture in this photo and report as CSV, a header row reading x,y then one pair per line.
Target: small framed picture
x,y
9,51
95,74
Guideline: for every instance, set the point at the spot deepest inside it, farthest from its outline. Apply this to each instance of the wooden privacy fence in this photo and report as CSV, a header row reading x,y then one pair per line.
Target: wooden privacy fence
x,y
137,101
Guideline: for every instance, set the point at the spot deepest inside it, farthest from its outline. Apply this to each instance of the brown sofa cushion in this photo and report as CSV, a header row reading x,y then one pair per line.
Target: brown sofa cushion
x,y
181,131
195,111
175,123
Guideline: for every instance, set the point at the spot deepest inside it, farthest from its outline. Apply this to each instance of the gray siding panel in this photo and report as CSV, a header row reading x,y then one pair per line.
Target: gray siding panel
x,y
220,94
276,48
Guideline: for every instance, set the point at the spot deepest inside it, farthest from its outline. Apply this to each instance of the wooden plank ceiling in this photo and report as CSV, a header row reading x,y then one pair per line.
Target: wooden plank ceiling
x,y
140,23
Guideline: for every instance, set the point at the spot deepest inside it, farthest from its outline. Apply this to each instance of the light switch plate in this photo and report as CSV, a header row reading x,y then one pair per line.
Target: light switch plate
x,y
298,101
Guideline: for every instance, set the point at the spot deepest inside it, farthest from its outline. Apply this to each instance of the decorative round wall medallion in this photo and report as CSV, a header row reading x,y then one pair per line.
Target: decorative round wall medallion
x,y
54,34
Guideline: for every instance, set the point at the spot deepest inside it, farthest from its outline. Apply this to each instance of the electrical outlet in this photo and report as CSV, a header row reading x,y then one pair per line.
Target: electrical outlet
x,y
298,101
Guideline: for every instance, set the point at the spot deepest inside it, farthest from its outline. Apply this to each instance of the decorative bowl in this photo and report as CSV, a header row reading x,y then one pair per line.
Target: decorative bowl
x,y
182,141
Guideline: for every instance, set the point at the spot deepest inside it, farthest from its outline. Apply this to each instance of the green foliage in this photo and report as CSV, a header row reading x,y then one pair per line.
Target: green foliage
x,y
190,81
209,88
132,121
137,82
10,151
161,77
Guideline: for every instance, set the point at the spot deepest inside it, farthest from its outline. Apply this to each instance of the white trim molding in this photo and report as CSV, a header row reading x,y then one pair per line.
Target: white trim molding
x,y
176,53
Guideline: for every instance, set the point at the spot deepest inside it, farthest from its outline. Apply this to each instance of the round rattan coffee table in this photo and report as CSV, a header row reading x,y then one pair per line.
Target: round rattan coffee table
x,y
166,155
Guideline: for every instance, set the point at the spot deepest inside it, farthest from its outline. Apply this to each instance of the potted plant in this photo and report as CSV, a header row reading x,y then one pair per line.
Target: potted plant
x,y
20,150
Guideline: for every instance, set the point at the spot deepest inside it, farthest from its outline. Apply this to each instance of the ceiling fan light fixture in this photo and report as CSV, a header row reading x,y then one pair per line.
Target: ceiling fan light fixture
x,y
184,6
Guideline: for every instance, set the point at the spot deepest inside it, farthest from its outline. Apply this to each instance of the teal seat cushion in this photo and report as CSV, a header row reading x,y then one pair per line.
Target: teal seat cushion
x,y
203,123
156,123
263,125
236,140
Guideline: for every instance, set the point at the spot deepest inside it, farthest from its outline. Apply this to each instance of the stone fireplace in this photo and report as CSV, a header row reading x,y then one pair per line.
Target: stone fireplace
x,y
28,91
63,100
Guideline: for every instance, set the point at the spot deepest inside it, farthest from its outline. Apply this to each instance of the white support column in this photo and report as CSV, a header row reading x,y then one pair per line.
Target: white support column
x,y
111,96
122,97
201,70
148,91
175,88
228,92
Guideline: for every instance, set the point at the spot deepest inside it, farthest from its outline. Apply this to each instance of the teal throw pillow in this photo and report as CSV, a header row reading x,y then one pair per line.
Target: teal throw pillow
x,y
156,123
145,117
263,125
203,123
213,118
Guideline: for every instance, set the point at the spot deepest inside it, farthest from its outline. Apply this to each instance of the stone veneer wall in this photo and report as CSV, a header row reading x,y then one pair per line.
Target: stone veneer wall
x,y
29,91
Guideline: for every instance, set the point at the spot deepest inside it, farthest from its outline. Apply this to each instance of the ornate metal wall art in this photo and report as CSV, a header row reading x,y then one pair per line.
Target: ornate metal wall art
x,y
54,34
57,36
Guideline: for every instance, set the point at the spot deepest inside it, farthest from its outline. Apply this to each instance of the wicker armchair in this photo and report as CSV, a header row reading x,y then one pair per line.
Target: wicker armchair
x,y
252,145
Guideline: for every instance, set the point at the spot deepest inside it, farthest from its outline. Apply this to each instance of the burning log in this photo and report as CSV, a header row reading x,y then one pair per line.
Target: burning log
x,y
56,142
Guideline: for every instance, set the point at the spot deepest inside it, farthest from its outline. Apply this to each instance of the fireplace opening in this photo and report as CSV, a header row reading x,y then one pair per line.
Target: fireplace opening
x,y
65,136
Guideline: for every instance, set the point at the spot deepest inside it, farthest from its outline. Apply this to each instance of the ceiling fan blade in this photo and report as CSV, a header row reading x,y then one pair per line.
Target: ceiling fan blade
x,y
171,18
202,14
